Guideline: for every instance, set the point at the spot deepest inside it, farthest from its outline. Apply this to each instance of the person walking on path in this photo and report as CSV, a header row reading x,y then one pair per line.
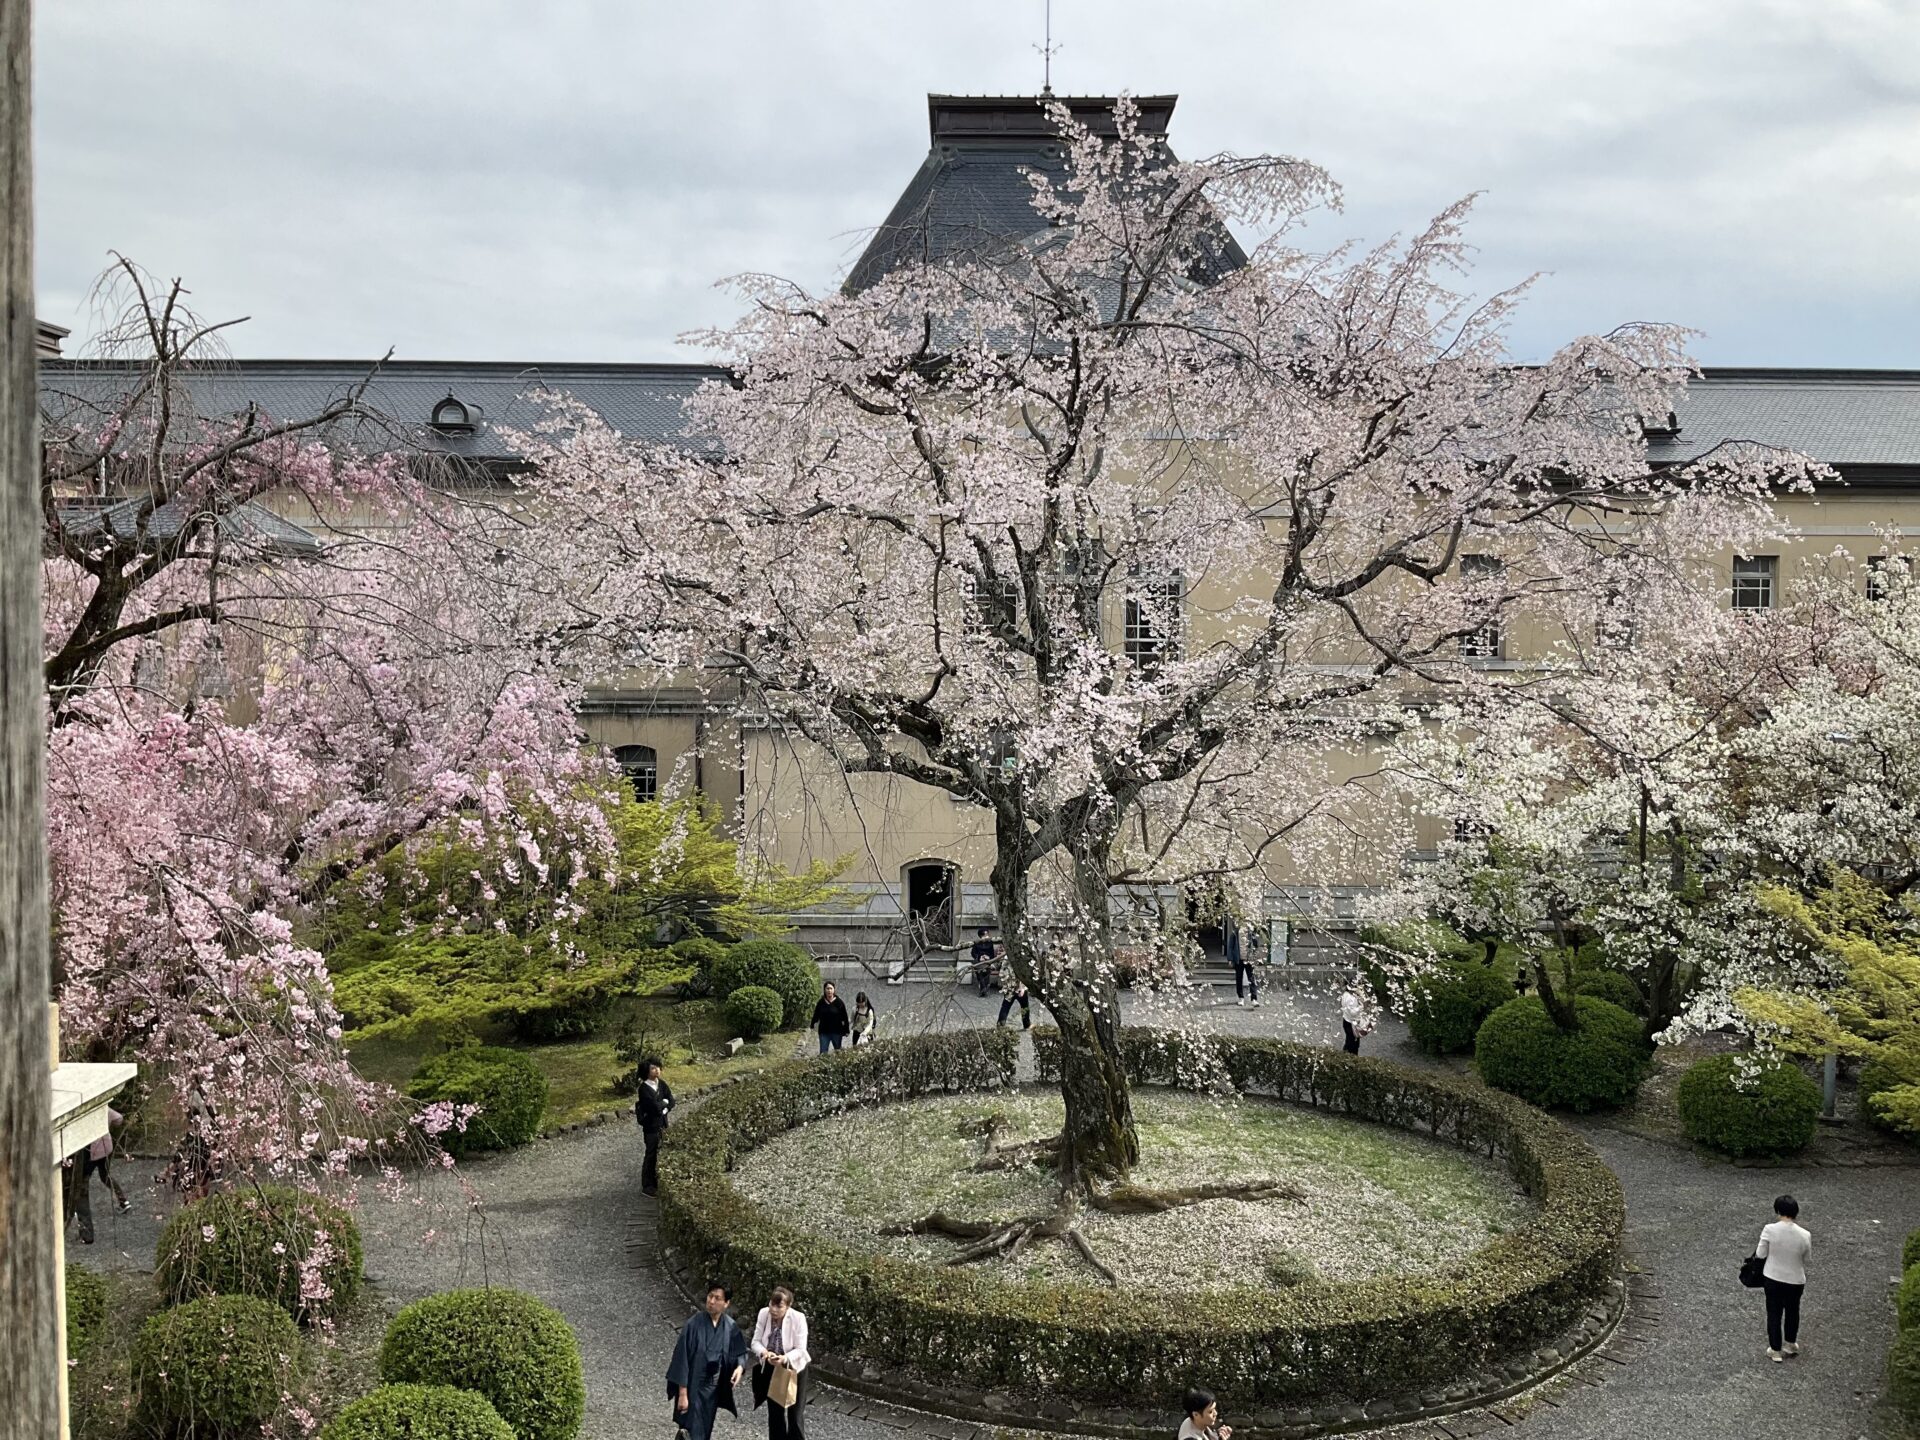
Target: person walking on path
x,y
1245,978
830,1019
653,1109
706,1365
1014,992
866,1020
1354,1019
1203,1418
1785,1246
981,952
780,1343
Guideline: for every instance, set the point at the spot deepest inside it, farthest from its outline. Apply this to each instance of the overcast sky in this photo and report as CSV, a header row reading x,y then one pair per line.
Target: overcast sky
x,y
566,180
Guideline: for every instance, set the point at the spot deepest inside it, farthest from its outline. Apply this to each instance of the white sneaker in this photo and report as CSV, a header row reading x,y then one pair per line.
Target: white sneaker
x,y
1776,1357
1792,1347
1254,1004
1241,1001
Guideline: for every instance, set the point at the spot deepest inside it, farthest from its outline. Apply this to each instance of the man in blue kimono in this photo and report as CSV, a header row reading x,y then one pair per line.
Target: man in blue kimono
x,y
706,1366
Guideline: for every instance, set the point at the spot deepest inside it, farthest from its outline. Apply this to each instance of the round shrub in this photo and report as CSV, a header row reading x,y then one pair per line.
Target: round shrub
x,y
215,1366
1612,987
419,1412
1910,1252
784,968
257,1242
1601,1063
502,1344
702,953
1773,1114
1903,1375
506,1085
1450,1004
754,1010
86,1309
1906,1300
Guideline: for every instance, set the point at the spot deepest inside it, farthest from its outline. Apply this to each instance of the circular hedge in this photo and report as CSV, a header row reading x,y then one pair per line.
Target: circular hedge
x,y
86,1309
519,1353
1906,1299
1600,1064
1449,1005
215,1366
1255,1346
257,1242
1910,1251
703,954
506,1085
754,1010
1614,988
419,1412
1775,1113
1903,1375
782,967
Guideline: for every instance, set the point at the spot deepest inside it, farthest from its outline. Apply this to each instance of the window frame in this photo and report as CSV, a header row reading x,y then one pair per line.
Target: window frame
x,y
1754,570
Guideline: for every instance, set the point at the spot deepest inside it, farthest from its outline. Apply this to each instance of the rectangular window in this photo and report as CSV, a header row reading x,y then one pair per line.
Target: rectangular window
x,y
1150,630
1484,643
1755,579
1882,572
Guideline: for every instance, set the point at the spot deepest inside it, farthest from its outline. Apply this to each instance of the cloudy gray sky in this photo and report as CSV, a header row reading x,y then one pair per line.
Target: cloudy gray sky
x,y
566,179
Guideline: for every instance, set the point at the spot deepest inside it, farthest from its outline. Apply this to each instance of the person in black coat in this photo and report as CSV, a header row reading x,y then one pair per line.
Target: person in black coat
x,y
706,1365
830,1019
653,1109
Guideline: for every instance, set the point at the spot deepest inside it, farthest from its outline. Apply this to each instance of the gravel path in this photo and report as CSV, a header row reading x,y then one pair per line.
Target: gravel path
x,y
562,1219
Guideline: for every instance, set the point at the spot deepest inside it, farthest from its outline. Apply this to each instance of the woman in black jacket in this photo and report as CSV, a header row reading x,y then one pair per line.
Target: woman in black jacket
x,y
830,1019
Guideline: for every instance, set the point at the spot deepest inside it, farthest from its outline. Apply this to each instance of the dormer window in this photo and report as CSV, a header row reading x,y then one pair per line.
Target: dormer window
x,y
1656,428
454,417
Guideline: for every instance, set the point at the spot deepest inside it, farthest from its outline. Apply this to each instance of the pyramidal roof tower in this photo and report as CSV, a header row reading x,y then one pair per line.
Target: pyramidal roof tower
x,y
971,197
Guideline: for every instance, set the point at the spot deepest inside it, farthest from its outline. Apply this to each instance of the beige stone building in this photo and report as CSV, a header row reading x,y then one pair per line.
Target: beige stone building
x,y
919,853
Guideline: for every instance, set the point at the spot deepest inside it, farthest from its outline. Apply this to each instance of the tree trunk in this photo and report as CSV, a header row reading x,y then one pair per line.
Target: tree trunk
x,y
29,1366
1099,1141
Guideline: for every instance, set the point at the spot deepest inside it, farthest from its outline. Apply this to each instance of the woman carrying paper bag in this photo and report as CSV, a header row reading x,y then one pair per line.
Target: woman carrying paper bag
x,y
780,1355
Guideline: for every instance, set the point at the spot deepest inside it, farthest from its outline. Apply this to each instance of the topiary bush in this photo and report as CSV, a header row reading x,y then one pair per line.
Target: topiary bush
x,y
754,1010
502,1344
1449,1004
1910,1252
1598,1065
1903,1375
419,1412
1775,1113
259,1242
782,967
218,1366
506,1085
1612,987
1906,1300
703,953
86,1309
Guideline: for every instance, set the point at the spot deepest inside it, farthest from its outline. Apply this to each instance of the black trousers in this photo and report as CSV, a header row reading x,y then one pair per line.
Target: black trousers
x,y
1245,978
1783,1312
650,1167
1352,1047
786,1422
1009,999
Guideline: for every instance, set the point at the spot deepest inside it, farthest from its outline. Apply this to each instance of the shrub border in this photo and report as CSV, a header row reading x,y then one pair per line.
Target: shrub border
x,y
1260,1349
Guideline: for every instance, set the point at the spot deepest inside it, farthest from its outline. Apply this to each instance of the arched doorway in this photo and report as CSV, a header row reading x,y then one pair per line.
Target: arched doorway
x,y
931,891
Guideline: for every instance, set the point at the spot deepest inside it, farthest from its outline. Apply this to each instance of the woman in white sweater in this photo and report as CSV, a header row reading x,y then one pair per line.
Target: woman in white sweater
x,y
1785,1246
780,1342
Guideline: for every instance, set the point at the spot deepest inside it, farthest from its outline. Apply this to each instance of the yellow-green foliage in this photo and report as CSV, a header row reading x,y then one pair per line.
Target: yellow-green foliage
x,y
1874,1013
441,936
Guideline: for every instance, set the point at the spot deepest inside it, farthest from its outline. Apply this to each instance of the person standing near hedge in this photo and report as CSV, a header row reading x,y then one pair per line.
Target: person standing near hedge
x,y
654,1110
1354,1019
1203,1418
981,953
1246,980
1785,1245
706,1365
830,1019
780,1343
866,1020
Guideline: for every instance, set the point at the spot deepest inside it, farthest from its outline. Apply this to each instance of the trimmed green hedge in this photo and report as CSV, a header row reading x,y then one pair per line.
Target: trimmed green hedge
x,y
1600,1065
1253,1345
1776,1115
86,1309
215,1367
419,1412
1903,1375
779,965
518,1352
755,1010
1910,1251
506,1085
261,1239
1906,1300
1614,988
1449,1005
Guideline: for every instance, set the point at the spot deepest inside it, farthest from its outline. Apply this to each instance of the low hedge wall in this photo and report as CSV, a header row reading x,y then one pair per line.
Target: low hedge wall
x,y
1252,1346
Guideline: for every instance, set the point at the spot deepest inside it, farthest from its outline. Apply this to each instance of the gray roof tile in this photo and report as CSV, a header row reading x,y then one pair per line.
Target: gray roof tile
x,y
1841,417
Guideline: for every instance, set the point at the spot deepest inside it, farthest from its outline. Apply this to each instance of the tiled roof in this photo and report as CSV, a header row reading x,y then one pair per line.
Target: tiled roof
x,y
1842,417
639,401
971,196
249,523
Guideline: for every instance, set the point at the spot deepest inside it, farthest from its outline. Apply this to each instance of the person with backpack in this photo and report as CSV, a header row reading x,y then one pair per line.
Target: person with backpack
x,y
1785,1246
866,1021
652,1109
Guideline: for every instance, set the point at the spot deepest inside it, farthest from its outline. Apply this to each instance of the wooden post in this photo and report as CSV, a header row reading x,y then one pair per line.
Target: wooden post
x,y
29,1304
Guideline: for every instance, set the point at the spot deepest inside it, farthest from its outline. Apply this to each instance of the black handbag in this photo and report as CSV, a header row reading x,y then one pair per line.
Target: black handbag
x,y
1752,1271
